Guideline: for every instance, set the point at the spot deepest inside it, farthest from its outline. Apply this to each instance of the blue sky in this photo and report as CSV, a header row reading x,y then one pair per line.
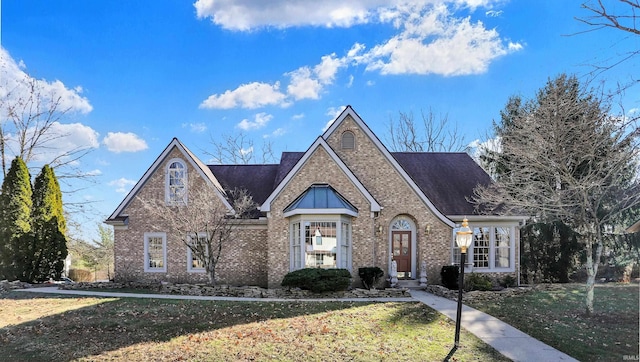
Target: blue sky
x,y
136,74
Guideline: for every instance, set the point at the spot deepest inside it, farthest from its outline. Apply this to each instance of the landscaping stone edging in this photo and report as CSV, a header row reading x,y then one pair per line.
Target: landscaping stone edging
x,y
240,292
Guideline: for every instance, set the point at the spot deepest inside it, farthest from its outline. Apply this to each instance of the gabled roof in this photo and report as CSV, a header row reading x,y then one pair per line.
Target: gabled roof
x,y
447,179
348,111
203,170
319,143
320,198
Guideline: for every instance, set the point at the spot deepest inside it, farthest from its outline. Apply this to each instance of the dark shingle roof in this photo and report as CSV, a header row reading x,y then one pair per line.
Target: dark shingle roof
x,y
287,161
256,179
447,179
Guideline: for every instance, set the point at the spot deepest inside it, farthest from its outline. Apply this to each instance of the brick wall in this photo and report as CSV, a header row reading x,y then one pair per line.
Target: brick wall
x,y
242,261
386,185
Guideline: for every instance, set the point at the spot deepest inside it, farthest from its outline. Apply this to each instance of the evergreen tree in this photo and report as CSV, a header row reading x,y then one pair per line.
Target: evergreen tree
x,y
15,221
49,242
570,161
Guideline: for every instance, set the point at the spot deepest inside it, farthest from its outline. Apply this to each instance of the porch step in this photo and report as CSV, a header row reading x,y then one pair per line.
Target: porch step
x,y
409,284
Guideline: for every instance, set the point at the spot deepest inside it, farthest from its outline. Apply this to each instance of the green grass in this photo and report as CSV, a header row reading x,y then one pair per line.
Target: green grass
x,y
557,317
65,328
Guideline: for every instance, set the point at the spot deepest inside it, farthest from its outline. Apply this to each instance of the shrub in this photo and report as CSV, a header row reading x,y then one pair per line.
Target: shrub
x,y
370,275
318,280
449,275
477,282
81,275
508,281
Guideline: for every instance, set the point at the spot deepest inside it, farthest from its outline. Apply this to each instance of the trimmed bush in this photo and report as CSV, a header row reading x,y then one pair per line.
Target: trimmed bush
x,y
318,280
449,275
476,281
370,275
508,281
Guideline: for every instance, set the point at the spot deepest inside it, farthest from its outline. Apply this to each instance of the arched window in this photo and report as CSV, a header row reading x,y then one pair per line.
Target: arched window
x,y
401,224
176,183
348,140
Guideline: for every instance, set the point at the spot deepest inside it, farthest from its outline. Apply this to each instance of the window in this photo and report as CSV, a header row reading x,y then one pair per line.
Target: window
x,y
176,183
327,243
155,252
198,242
481,239
348,140
492,249
503,247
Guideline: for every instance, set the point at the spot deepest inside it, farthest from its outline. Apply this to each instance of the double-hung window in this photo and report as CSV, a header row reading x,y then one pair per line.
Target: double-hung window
x,y
196,252
155,252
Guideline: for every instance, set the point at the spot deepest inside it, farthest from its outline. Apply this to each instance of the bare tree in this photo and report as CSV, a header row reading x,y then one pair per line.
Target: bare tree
x,y
607,16
29,116
565,158
203,223
431,135
239,149
622,15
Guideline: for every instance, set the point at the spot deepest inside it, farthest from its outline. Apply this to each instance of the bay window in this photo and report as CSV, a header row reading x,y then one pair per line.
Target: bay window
x,y
320,241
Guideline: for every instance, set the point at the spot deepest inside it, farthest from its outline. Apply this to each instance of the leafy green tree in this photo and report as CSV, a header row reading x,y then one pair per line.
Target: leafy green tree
x,y
49,243
15,221
568,160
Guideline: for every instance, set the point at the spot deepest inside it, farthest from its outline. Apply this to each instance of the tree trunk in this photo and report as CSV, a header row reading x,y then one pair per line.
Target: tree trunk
x,y
211,274
592,269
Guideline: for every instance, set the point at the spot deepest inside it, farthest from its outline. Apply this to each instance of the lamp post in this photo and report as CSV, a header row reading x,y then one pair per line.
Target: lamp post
x,y
463,240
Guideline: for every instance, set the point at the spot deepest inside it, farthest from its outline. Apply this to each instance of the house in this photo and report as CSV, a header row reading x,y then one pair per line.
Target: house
x,y
346,202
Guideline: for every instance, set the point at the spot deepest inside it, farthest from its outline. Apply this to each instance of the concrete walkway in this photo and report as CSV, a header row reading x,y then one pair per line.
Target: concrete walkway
x,y
510,342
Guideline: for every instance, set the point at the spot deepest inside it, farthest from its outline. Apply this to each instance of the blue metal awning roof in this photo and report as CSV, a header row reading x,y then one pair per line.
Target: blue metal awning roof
x,y
321,196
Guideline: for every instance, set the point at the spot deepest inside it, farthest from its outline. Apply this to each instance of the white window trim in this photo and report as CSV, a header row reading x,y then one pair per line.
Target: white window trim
x,y
190,268
167,190
339,220
147,269
492,249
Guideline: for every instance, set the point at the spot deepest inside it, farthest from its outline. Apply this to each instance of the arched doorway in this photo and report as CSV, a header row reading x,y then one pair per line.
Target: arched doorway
x,y
403,246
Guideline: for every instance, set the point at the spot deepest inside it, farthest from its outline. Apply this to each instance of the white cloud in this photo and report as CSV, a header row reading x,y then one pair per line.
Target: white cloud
x,y
251,14
195,127
260,121
297,116
433,41
350,82
494,13
333,112
302,85
60,144
251,95
430,39
246,151
16,85
95,172
124,142
122,185
277,133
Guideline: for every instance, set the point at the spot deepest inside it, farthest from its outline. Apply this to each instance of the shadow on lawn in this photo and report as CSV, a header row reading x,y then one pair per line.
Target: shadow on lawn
x,y
115,324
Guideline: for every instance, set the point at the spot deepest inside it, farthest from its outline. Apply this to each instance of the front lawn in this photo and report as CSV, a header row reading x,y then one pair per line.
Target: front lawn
x,y
555,314
64,328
